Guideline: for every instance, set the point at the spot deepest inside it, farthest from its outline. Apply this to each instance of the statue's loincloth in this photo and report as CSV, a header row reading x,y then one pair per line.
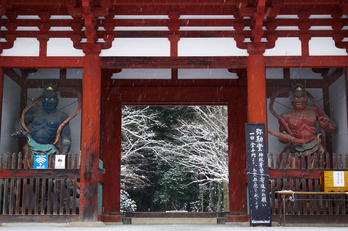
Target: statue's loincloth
x,y
39,149
309,148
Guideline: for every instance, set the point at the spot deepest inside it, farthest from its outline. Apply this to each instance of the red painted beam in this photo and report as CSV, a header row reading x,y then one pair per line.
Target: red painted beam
x,y
222,62
173,96
39,173
173,62
107,82
291,173
175,2
306,62
41,62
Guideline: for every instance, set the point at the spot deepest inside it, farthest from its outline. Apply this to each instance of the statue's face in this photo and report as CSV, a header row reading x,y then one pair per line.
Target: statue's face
x,y
49,101
299,101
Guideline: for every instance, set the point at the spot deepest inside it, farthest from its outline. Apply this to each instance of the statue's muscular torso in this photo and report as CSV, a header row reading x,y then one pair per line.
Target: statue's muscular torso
x,y
302,124
43,126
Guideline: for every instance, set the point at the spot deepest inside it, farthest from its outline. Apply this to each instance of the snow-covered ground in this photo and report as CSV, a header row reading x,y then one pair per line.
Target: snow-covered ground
x,y
172,228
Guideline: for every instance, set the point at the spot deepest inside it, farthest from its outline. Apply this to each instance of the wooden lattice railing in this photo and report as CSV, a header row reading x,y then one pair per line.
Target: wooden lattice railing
x,y
294,173
27,191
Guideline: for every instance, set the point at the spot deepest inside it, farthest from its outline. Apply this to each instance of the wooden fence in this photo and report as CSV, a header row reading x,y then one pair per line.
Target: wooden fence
x,y
27,191
302,174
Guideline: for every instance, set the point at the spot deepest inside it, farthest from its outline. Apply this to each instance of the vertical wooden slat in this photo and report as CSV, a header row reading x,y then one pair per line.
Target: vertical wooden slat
x,y
304,202
1,180
315,161
283,161
61,198
49,197
273,197
303,161
277,161
309,162
50,161
31,188
346,166
271,161
303,183
317,197
18,196
321,161
43,196
12,185
73,204
69,164
325,205
328,163
290,161
76,161
55,196
337,204
290,181
340,161
297,164
298,205
37,193
330,205
24,191
68,185
310,197
7,166
31,164
334,162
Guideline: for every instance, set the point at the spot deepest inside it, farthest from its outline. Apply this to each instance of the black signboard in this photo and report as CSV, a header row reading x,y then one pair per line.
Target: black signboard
x,y
257,170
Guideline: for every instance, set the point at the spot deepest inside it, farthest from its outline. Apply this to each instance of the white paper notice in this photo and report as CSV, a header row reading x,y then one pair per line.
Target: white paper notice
x,y
338,178
60,162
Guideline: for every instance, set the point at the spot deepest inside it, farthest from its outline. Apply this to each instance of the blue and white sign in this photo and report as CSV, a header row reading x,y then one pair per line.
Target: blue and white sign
x,y
40,161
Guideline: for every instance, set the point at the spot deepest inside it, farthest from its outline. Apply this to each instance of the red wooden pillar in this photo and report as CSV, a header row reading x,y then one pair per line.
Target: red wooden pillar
x,y
346,92
257,106
1,84
90,135
237,117
111,153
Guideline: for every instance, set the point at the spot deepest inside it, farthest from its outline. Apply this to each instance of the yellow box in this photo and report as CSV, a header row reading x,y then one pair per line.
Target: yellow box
x,y
334,181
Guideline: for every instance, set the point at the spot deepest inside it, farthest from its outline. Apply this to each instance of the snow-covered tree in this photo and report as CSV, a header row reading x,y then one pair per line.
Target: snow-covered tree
x,y
202,146
191,144
139,145
127,204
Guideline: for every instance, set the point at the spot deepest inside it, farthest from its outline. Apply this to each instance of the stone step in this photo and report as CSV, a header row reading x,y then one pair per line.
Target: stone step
x,y
173,220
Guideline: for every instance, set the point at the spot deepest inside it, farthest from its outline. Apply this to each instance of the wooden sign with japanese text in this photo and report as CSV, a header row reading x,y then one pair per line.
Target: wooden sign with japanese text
x,y
257,170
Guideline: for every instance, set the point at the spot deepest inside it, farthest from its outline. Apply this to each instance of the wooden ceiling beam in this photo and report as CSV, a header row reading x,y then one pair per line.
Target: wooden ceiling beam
x,y
173,62
237,62
164,22
14,76
108,82
170,96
